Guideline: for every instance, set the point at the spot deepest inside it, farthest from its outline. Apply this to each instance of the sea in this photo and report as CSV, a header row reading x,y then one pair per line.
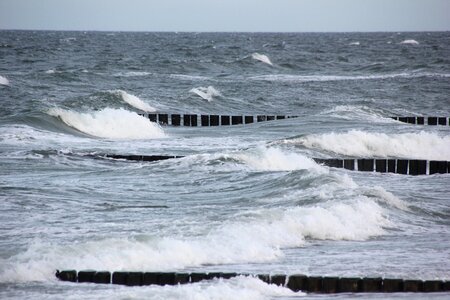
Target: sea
x,y
244,198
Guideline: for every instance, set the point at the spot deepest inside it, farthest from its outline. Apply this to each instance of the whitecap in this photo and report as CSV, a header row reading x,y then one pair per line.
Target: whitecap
x,y
207,93
275,159
410,42
51,71
241,240
355,44
422,145
4,80
134,101
110,123
132,74
262,58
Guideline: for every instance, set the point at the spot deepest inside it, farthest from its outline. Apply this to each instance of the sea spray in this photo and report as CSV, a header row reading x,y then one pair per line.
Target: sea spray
x,y
110,123
134,101
207,93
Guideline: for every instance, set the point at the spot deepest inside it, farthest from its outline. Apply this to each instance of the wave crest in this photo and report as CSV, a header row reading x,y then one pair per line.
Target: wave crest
x,y
134,101
423,145
110,123
275,159
410,42
262,58
207,93
245,240
4,80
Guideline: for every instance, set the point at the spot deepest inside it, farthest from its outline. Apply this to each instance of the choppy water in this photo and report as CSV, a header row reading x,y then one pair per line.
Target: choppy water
x,y
245,198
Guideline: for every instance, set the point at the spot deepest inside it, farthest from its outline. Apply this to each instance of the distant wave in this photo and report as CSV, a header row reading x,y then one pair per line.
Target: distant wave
x,y
132,74
110,123
410,42
51,71
262,58
354,43
188,77
324,78
207,93
134,101
4,80
423,145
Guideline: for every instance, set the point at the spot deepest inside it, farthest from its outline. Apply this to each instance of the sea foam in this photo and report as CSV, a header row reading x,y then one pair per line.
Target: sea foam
x,y
110,123
134,101
422,145
241,240
4,80
207,93
262,58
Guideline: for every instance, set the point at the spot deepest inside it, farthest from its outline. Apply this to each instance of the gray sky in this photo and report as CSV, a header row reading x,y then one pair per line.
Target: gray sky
x,y
227,15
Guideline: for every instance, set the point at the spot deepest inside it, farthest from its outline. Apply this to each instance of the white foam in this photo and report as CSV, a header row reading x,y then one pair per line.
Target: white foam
x,y
355,44
241,240
422,145
275,159
132,74
249,288
189,77
135,101
358,112
51,71
323,78
262,58
4,80
207,93
110,123
410,42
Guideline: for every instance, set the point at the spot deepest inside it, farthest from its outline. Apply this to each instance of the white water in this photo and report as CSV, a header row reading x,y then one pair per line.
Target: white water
x,y
4,80
422,145
410,42
275,159
134,101
110,123
256,237
207,93
325,78
262,58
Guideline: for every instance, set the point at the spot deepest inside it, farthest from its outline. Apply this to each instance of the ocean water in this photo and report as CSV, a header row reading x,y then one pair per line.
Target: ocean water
x,y
245,198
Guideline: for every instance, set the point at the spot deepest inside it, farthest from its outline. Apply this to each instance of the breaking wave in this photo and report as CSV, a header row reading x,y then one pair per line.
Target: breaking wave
x,y
207,93
275,159
258,238
262,58
422,145
110,123
4,80
410,42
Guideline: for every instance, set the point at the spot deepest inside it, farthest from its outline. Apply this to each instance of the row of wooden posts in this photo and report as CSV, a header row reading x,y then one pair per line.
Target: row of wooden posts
x,y
312,284
207,120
